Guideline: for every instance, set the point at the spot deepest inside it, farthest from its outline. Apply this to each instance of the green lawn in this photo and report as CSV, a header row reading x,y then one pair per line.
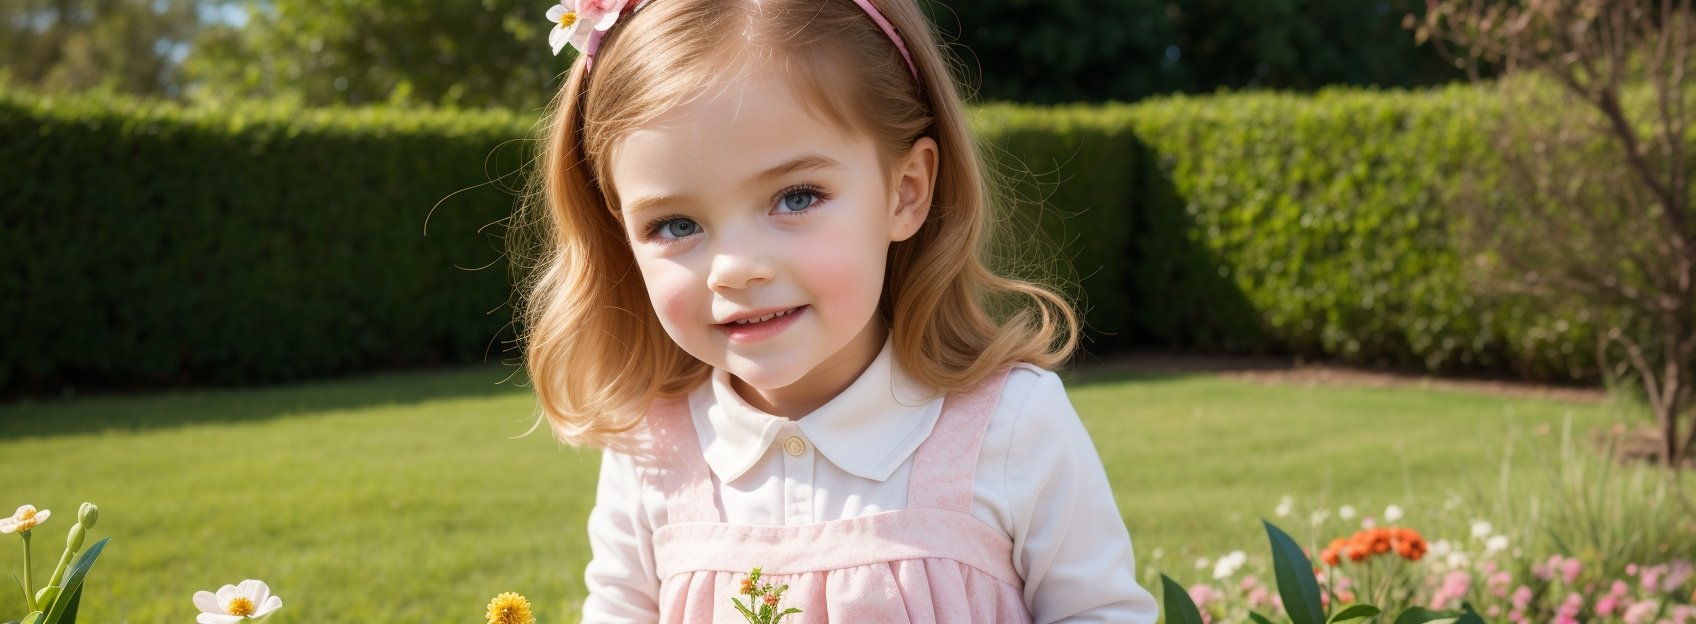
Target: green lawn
x,y
407,498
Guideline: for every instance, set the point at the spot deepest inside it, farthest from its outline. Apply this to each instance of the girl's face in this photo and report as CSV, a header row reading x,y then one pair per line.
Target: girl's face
x,y
762,234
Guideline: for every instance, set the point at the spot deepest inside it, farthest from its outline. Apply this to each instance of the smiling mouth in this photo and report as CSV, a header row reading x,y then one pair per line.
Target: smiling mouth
x,y
761,319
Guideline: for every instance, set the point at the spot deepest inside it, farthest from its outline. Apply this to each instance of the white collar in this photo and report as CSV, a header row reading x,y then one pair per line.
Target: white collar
x,y
868,430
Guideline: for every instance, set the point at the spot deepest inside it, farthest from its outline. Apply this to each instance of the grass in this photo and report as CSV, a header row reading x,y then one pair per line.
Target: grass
x,y
407,498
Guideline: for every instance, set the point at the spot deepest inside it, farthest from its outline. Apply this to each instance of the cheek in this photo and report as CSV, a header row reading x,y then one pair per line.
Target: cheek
x,y
671,291
848,270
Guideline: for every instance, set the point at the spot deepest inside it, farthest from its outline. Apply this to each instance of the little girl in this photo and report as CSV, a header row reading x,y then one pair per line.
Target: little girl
x,y
762,291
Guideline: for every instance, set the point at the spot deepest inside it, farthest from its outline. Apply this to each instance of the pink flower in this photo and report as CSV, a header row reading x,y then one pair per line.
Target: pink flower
x,y
571,16
1569,610
1454,588
1570,570
1680,574
1203,595
1640,612
1651,578
1521,599
1498,584
1605,606
1258,598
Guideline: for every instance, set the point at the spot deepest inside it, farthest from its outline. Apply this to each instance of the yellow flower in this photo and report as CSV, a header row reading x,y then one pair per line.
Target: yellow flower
x,y
510,608
25,519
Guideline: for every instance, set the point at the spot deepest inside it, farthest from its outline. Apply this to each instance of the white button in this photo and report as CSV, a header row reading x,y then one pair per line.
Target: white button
x,y
795,446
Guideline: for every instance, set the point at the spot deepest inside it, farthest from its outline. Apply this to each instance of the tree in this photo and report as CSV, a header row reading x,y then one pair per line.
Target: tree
x,y
131,46
1594,209
478,53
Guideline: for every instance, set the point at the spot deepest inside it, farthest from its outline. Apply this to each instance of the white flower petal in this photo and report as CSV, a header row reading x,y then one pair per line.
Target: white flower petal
x,y
23,510
225,594
580,38
559,36
255,590
207,602
557,11
41,516
213,618
8,525
607,20
271,604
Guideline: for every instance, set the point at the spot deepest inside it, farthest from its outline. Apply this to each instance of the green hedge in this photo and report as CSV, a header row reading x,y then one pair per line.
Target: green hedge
x,y
1316,225
155,246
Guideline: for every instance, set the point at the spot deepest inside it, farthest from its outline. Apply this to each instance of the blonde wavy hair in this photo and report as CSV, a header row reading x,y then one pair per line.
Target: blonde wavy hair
x,y
596,352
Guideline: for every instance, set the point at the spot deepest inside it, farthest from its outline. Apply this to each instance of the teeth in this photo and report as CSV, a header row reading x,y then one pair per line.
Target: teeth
x,y
764,318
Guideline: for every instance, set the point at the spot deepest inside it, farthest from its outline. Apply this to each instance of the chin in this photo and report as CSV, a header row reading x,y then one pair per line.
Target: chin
x,y
767,375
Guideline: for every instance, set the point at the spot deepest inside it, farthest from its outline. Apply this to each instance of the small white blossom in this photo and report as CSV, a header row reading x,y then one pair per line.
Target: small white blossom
x,y
251,600
25,519
1202,563
1228,564
1392,513
1440,548
1319,517
1481,529
1496,544
1457,559
1346,512
1284,506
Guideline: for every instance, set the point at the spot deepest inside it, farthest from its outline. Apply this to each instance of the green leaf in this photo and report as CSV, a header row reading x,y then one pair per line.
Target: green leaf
x,y
1258,618
1296,583
35,617
73,581
749,615
1420,615
70,615
1179,608
1355,612
1469,616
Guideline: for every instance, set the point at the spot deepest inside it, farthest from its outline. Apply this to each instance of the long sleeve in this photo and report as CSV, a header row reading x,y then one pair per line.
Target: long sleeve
x,y
622,583
1069,541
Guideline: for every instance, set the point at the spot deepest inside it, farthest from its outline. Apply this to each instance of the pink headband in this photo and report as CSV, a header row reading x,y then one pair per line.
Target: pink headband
x,y
583,23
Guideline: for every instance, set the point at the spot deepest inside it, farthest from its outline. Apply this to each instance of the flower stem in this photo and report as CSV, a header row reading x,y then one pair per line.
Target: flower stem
x,y
29,589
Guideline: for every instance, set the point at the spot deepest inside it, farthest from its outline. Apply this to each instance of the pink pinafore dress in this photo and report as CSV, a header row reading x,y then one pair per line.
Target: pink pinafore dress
x,y
931,562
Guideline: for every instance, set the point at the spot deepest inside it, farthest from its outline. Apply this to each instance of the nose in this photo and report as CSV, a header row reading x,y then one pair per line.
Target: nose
x,y
738,267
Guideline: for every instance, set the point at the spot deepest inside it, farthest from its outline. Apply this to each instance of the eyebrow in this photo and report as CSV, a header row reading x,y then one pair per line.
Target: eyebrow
x,y
808,162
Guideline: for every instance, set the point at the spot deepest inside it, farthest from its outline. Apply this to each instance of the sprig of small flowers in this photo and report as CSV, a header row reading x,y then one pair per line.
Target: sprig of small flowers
x,y
762,600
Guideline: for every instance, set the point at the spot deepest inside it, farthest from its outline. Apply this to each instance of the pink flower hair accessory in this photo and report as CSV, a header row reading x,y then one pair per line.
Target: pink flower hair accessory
x,y
569,17
582,23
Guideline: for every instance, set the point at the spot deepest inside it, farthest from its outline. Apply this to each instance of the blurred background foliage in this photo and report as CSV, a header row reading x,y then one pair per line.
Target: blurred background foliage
x,y
491,53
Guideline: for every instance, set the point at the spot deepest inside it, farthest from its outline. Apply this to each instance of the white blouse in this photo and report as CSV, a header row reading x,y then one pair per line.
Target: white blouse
x,y
1039,480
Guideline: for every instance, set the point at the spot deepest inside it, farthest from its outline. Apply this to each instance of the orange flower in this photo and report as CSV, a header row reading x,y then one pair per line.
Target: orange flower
x,y
771,600
1331,552
747,587
1406,543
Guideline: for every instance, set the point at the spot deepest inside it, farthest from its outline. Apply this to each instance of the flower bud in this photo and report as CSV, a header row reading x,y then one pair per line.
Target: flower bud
x,y
44,598
87,514
73,542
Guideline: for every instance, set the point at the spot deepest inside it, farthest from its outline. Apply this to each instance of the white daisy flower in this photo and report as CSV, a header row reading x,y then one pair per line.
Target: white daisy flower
x,y
251,600
1480,529
1228,564
1346,512
1496,544
23,520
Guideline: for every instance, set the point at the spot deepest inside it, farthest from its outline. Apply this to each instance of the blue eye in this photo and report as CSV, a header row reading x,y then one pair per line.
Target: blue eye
x,y
798,200
677,228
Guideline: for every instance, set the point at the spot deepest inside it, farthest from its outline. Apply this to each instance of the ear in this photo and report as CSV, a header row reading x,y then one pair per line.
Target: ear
x,y
915,179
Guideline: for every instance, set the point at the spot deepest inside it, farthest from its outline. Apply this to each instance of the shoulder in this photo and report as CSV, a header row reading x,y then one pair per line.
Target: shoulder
x,y
1032,392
